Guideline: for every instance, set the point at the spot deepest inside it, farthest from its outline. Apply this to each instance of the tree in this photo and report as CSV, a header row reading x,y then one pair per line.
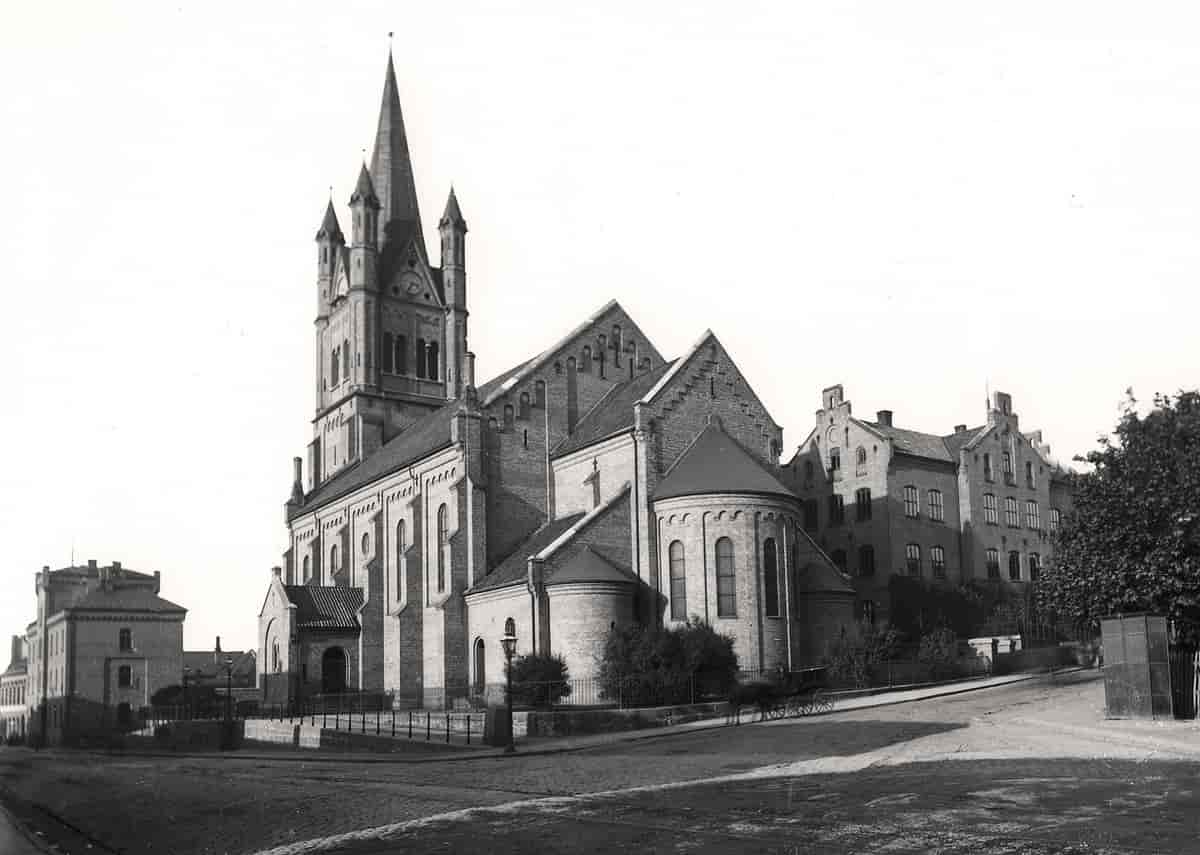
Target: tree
x,y
667,665
1132,540
539,680
854,654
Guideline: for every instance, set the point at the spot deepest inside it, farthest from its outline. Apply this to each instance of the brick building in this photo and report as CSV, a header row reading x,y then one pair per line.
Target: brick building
x,y
14,714
102,644
594,484
977,503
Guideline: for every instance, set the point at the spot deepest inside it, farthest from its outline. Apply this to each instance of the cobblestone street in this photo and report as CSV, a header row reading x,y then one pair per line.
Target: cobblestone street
x,y
880,771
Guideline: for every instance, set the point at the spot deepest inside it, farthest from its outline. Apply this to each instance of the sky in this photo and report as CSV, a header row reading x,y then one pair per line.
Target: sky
x,y
921,201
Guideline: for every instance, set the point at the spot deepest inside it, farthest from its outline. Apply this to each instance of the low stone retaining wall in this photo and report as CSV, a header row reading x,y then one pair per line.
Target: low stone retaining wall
x,y
283,733
196,735
567,722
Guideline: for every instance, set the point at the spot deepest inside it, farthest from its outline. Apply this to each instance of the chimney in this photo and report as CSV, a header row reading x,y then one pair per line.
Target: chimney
x,y
960,428
884,417
297,470
91,566
16,648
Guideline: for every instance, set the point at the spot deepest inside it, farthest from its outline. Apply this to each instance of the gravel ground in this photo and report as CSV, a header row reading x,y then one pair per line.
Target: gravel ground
x,y
221,804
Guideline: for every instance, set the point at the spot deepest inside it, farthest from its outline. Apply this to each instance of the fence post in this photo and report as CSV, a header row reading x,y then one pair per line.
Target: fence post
x,y
410,724
393,721
447,728
428,725
468,728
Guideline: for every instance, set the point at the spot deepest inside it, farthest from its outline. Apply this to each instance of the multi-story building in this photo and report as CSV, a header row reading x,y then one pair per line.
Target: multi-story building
x,y
592,485
14,715
977,503
102,644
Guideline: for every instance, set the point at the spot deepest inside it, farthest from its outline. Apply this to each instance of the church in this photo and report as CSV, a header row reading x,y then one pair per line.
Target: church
x,y
593,485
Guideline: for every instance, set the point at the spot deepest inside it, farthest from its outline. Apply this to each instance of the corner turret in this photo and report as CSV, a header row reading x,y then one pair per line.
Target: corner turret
x,y
329,240
453,231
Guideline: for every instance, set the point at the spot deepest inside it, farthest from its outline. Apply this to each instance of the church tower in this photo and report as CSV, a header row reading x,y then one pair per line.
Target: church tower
x,y
390,328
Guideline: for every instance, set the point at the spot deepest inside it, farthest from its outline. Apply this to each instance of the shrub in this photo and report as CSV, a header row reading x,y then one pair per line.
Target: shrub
x,y
539,680
852,657
667,665
939,649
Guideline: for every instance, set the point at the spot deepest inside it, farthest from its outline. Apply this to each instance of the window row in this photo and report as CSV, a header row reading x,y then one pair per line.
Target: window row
x,y
727,579
912,504
1006,467
396,352
1033,565
1012,513
937,560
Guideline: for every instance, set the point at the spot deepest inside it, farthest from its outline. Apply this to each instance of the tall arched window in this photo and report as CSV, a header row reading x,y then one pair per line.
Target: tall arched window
x,y
432,370
678,582
333,565
401,354
275,666
524,403
726,581
421,359
125,639
1014,566
333,367
401,547
539,391
346,359
443,545
388,353
585,360
616,345
307,575
771,577
860,461
508,416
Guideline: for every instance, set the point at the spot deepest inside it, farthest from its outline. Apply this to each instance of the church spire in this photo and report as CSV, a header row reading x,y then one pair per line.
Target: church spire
x,y
329,226
391,166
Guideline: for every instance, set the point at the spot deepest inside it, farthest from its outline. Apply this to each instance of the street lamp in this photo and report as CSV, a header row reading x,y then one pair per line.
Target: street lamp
x,y
509,642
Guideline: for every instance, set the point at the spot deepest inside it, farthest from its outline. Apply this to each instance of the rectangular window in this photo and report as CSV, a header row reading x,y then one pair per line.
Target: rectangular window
x,y
1033,517
1014,566
125,640
993,564
912,503
988,475
1055,519
124,676
937,560
1012,515
810,515
726,580
835,464
912,559
866,560
989,509
837,510
936,511
1035,566
1030,480
862,503
1006,463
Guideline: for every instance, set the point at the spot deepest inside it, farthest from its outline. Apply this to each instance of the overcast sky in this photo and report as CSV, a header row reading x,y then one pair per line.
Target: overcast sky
x,y
917,200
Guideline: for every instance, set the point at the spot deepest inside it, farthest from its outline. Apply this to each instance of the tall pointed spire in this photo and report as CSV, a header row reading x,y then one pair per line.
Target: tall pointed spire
x,y
453,214
391,166
329,226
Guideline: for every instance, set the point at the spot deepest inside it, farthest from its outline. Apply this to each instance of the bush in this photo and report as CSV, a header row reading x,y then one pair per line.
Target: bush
x,y
539,680
667,665
939,649
852,657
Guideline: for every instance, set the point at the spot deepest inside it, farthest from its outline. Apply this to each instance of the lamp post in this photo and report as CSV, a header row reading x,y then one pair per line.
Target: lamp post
x,y
509,642
229,688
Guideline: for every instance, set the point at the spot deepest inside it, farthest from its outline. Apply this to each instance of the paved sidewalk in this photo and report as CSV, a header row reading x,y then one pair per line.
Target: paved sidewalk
x,y
13,839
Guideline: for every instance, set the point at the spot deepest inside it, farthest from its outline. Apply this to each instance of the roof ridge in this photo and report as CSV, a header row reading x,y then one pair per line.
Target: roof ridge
x,y
569,535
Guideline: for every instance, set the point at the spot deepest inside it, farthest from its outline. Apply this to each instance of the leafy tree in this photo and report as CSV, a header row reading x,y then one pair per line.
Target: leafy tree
x,y
539,680
665,665
854,654
1132,540
939,649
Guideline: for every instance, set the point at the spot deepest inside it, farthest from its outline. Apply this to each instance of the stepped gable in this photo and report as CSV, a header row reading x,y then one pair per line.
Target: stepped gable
x,y
326,608
612,414
716,463
514,568
591,566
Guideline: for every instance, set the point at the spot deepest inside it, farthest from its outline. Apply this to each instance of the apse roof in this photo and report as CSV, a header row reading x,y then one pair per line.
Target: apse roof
x,y
716,463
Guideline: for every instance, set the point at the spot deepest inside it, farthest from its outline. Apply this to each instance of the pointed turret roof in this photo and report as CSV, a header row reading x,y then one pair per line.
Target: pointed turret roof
x,y
364,190
716,463
391,166
453,214
329,225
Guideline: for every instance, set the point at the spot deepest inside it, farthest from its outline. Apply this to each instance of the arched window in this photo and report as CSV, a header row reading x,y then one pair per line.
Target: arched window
x,y
937,561
1014,566
678,581
726,581
366,543
524,404
866,560
333,565
333,367
508,416
443,545
571,367
401,354
421,359
808,473
307,575
389,353
1029,474
992,558
275,666
433,369
125,639
401,548
539,391
616,345
585,360
345,359
480,660
771,577
860,461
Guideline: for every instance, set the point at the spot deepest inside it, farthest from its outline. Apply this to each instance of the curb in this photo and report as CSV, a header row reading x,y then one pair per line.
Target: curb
x,y
1134,740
